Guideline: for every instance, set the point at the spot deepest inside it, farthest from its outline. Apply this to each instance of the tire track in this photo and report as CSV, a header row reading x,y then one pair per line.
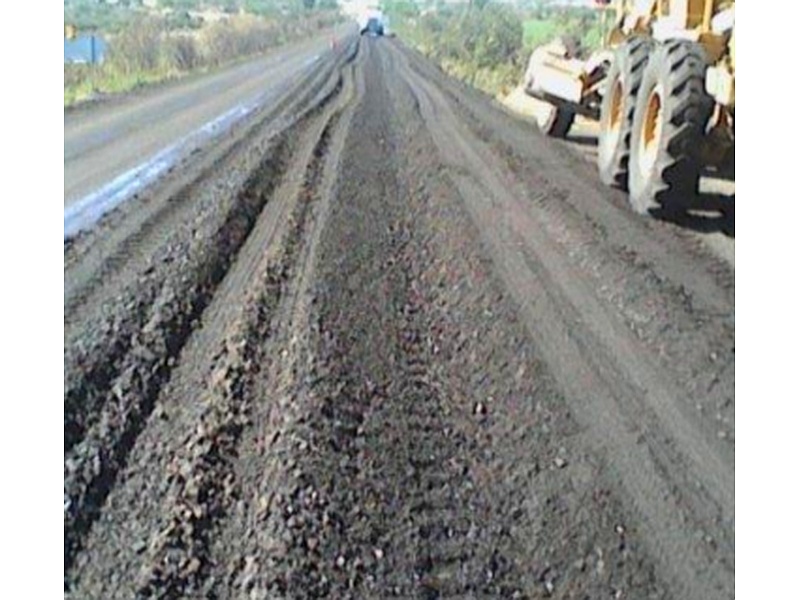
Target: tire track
x,y
587,350
672,294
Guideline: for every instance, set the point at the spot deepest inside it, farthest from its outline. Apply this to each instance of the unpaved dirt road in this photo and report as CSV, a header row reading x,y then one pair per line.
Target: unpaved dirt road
x,y
712,212
104,141
385,341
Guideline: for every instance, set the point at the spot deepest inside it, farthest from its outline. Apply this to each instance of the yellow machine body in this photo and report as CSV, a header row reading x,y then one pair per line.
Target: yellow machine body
x,y
555,75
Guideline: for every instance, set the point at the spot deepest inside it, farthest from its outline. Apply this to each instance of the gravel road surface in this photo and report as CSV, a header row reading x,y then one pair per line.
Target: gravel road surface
x,y
381,339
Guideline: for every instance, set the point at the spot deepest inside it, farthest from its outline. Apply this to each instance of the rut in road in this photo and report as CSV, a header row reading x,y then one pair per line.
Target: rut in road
x,y
435,364
617,389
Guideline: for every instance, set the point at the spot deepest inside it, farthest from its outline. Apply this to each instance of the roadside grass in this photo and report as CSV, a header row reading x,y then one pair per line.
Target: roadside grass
x,y
147,52
536,32
496,81
481,48
489,48
102,81
586,28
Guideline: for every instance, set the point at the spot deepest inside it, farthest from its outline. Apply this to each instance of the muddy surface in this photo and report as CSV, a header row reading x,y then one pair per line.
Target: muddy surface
x,y
385,340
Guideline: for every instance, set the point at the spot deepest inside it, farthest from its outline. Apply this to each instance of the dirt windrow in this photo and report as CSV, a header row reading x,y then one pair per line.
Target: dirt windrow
x,y
428,445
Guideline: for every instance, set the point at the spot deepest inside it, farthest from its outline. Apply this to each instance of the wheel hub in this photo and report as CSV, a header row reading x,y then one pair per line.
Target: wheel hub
x,y
615,116
653,125
616,107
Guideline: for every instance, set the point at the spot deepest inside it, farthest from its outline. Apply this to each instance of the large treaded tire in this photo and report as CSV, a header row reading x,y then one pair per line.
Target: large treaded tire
x,y
616,111
557,122
665,160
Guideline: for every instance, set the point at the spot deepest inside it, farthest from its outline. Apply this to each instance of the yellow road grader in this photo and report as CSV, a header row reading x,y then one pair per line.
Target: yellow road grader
x,y
662,88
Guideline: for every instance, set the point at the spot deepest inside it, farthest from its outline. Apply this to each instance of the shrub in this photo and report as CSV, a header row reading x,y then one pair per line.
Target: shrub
x,y
148,49
481,46
137,48
180,53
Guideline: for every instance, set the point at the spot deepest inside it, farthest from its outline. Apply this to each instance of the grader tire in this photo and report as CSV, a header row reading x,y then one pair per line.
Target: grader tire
x,y
672,111
557,122
616,111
